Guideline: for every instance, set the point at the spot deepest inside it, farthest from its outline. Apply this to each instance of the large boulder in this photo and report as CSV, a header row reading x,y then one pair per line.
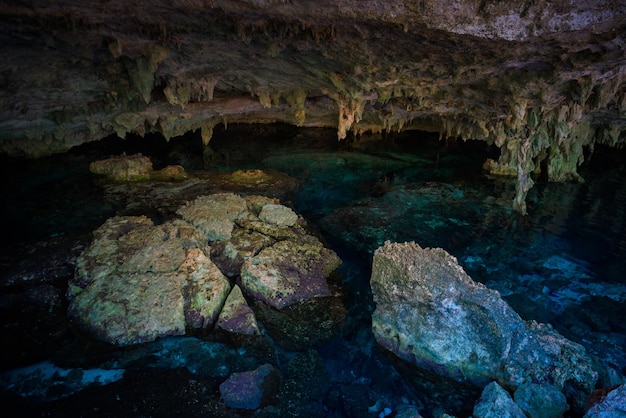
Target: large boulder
x,y
541,400
431,313
137,281
251,389
289,272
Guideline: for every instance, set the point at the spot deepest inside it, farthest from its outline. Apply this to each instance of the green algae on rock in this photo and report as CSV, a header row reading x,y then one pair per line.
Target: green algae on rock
x,y
138,281
431,313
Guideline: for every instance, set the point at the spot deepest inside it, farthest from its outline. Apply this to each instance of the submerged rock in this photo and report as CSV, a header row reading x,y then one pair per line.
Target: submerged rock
x,y
541,400
252,389
431,313
495,402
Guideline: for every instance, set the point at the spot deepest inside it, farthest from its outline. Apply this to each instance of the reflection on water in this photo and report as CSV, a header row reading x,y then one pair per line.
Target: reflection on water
x,y
563,264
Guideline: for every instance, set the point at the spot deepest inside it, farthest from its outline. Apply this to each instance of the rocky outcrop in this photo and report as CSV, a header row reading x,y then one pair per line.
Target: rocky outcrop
x,y
431,313
125,168
214,215
138,281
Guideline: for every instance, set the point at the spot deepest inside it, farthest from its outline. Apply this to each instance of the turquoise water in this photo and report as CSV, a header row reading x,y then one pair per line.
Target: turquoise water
x,y
562,264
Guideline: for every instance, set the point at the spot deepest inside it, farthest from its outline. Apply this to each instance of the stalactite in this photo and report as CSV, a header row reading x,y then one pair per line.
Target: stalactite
x,y
524,167
350,112
296,99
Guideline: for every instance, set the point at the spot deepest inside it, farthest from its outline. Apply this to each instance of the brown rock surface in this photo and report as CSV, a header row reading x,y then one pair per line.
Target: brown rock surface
x,y
541,80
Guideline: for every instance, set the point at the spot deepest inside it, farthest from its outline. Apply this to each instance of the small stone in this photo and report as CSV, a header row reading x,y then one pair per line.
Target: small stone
x,y
237,316
495,402
541,401
251,389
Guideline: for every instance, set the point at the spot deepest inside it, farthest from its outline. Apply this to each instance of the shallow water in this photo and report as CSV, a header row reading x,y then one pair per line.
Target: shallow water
x,y
562,264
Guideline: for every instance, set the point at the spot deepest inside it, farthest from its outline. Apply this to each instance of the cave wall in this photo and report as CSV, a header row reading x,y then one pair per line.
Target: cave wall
x,y
541,80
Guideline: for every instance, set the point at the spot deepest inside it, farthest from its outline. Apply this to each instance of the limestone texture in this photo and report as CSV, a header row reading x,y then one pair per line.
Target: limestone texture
x,y
495,402
214,215
251,389
541,80
289,272
278,215
123,168
612,406
541,400
138,281
236,316
431,313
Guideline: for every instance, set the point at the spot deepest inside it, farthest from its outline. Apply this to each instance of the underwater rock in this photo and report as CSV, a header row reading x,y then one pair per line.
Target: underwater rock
x,y
431,313
541,400
237,316
612,406
252,389
495,402
304,324
289,272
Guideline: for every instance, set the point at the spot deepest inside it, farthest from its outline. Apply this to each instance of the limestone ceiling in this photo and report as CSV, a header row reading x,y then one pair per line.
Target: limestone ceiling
x,y
547,76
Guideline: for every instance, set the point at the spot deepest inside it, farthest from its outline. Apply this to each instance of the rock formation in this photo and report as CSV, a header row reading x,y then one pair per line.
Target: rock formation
x,y
543,81
138,281
431,313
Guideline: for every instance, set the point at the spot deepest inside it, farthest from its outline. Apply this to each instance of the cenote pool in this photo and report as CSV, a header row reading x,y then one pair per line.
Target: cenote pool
x,y
563,264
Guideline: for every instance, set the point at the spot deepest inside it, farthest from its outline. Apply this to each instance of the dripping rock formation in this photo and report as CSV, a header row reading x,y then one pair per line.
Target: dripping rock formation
x,y
543,81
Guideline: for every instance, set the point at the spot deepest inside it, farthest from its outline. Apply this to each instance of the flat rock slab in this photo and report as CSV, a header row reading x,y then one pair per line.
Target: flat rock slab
x,y
214,215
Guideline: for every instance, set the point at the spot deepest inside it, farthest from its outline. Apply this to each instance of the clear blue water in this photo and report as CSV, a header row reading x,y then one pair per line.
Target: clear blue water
x,y
564,263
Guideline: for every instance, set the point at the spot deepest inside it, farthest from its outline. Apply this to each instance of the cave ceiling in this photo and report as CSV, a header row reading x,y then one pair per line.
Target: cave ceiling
x,y
539,79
